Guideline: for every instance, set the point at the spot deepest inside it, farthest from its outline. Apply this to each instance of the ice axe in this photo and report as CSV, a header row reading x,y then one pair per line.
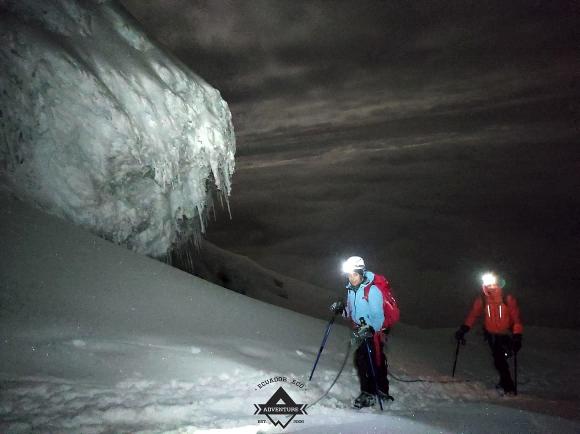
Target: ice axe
x,y
373,373
326,333
459,342
515,373
372,365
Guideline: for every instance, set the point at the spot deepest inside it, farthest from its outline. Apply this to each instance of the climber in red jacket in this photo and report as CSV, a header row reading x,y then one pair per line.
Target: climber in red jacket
x,y
502,326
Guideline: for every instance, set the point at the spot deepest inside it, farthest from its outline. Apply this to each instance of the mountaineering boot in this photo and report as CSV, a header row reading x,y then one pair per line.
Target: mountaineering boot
x,y
505,391
364,400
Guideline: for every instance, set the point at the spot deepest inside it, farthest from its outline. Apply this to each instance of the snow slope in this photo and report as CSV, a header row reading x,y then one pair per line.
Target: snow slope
x,y
96,338
102,127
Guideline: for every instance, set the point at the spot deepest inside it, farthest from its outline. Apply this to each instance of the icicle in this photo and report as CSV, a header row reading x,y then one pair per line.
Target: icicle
x,y
189,260
191,248
228,204
201,220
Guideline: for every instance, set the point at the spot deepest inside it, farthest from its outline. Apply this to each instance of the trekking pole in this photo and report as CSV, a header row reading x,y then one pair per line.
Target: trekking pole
x,y
516,373
459,341
373,372
326,333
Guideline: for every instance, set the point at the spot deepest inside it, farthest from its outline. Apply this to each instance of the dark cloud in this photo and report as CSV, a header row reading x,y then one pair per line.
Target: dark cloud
x,y
426,39
435,138
303,64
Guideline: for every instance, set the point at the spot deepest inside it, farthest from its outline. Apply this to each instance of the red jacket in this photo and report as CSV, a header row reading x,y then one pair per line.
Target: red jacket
x,y
500,316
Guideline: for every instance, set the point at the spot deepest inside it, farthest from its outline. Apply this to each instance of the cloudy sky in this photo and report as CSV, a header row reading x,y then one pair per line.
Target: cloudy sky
x,y
436,139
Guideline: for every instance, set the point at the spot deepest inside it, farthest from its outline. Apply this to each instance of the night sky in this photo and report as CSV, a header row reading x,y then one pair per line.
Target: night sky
x,y
437,139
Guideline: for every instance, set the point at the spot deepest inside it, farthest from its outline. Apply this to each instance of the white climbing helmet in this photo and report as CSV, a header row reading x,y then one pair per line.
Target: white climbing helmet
x,y
352,264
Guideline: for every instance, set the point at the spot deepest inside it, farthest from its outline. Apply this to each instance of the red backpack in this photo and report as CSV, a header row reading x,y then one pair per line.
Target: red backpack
x,y
390,307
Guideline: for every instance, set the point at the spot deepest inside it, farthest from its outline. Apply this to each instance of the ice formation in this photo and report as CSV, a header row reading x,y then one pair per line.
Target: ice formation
x,y
100,126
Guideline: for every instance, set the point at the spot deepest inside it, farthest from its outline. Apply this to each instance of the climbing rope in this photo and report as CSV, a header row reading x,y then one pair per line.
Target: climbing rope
x,y
422,380
337,376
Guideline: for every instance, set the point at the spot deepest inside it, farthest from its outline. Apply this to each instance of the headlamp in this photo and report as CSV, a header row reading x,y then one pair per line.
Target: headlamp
x,y
489,279
347,268
352,264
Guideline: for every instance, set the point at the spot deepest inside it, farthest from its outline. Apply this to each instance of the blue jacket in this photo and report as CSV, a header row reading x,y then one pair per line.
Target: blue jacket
x,y
357,307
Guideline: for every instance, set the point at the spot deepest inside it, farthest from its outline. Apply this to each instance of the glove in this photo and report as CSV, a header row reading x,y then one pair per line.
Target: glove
x,y
516,342
337,307
460,333
363,332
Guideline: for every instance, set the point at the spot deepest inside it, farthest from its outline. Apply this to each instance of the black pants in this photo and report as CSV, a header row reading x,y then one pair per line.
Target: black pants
x,y
363,367
501,351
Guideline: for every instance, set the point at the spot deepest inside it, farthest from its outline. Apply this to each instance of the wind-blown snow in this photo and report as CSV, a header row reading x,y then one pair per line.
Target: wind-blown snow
x,y
102,127
97,339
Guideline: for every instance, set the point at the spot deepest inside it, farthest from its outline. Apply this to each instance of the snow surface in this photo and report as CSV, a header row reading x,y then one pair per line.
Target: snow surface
x,y
96,338
102,127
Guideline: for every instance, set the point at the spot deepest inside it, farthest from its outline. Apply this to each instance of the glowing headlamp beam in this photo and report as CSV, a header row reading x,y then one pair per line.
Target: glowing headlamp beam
x,y
347,268
489,279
